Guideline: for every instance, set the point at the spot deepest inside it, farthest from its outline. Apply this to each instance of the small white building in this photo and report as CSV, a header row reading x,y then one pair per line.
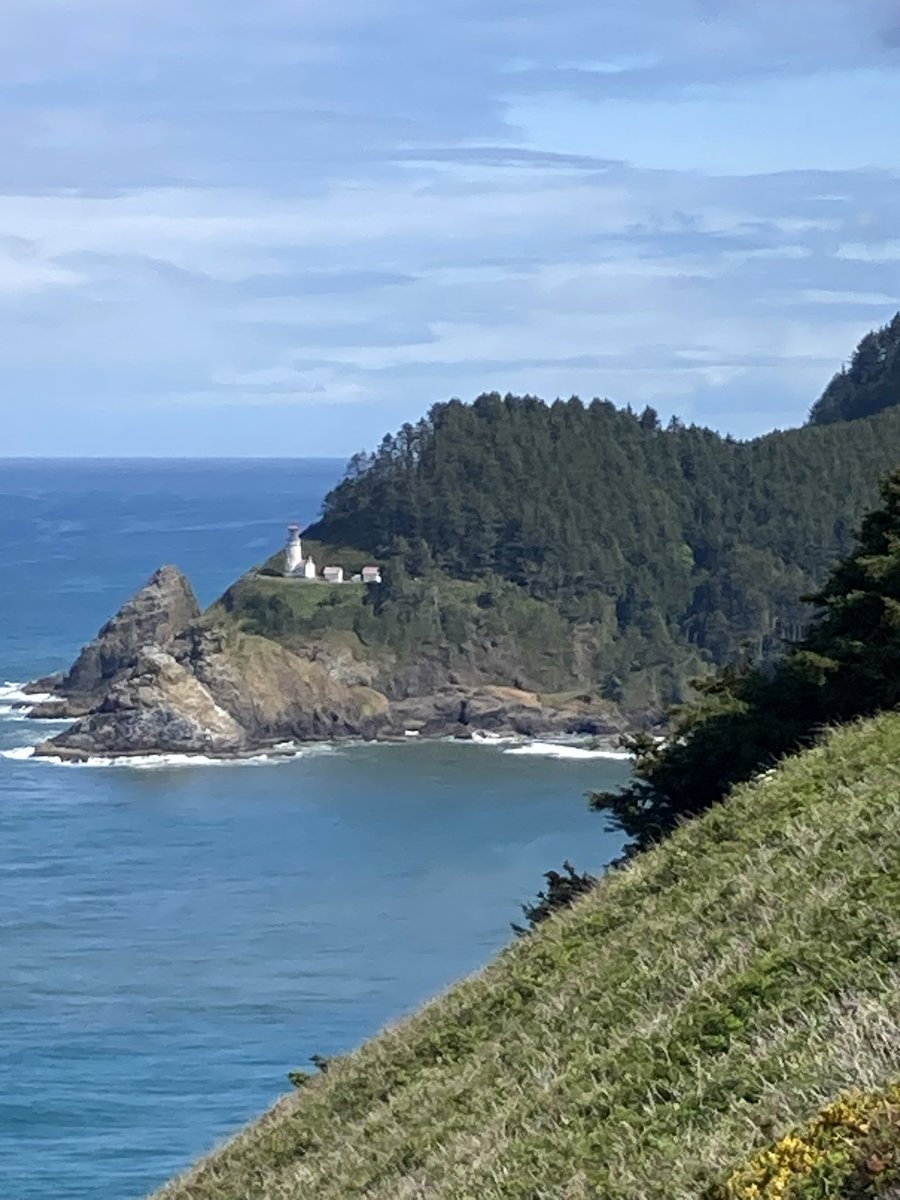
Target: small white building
x,y
298,565
295,564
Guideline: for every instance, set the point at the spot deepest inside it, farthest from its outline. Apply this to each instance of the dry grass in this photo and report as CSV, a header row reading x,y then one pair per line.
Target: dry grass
x,y
698,1005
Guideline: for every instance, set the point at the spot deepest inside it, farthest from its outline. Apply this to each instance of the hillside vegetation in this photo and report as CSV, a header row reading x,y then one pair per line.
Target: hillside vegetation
x,y
851,1150
645,1043
417,627
869,384
664,551
847,665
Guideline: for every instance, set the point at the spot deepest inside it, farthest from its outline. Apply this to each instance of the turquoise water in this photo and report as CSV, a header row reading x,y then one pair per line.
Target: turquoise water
x,y
174,940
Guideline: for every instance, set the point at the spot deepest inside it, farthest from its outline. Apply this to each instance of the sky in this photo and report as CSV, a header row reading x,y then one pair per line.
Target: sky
x,y
286,227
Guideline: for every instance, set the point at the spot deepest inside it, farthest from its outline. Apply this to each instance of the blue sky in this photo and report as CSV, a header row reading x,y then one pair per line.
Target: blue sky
x,y
286,227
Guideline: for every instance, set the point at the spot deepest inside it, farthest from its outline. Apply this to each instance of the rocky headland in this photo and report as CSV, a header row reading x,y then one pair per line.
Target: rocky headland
x,y
161,677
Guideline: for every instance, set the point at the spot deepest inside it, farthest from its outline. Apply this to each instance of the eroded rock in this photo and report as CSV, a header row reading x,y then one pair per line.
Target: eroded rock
x,y
158,707
153,617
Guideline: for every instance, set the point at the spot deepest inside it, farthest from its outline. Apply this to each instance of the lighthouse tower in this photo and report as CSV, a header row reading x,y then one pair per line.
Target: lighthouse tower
x,y
294,562
293,555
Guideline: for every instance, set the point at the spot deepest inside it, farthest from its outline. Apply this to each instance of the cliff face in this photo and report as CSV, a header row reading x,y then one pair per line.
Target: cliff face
x,y
160,679
157,705
153,617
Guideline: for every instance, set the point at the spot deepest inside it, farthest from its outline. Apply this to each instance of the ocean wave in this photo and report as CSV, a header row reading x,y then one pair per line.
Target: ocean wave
x,y
8,713
485,738
158,762
11,693
562,750
18,753
284,752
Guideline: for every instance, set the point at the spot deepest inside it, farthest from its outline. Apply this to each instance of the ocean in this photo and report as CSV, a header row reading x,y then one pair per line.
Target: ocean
x,y
175,939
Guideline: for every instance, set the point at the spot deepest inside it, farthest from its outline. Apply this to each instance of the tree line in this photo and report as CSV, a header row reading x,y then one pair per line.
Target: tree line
x,y
749,716
663,548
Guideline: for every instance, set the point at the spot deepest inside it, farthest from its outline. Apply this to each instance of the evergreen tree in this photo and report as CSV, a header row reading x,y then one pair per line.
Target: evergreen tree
x,y
669,548
847,666
871,382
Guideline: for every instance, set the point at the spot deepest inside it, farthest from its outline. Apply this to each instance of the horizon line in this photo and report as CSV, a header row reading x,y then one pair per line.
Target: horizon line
x,y
71,458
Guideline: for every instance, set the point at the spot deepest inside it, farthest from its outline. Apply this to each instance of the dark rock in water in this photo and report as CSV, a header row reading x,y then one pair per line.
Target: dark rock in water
x,y
49,683
154,616
459,712
158,707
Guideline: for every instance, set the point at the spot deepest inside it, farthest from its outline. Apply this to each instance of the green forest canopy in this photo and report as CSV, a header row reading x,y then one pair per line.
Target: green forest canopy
x,y
662,546
846,666
870,384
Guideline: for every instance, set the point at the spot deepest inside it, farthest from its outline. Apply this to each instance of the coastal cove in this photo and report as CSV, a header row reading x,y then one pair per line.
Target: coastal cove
x,y
176,939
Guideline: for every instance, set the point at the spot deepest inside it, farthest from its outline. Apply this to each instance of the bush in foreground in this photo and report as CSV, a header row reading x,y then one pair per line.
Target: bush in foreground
x,y
562,890
850,1151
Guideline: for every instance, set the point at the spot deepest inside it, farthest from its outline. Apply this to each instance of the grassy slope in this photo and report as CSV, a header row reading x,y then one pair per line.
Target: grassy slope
x,y
448,619
490,624
700,1003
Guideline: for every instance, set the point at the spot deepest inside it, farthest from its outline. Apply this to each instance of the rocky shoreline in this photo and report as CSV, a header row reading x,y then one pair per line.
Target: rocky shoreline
x,y
158,679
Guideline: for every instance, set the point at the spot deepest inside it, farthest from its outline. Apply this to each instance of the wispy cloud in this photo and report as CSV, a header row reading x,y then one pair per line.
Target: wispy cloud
x,y
212,207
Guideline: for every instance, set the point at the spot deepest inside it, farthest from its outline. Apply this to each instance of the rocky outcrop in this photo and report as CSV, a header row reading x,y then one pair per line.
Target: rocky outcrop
x,y
463,711
159,679
158,706
275,694
152,618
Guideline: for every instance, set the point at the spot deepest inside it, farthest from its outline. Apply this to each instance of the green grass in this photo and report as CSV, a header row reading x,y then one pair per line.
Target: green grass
x,y
496,628
304,598
289,611
327,554
700,1004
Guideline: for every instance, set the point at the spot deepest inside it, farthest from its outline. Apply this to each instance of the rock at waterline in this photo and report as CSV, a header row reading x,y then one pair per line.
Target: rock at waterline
x,y
157,706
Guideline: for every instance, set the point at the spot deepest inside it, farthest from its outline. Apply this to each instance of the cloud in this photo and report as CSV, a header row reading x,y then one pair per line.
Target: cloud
x,y
24,270
364,208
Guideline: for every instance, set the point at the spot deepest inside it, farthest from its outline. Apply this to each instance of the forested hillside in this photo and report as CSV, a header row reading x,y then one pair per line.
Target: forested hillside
x,y
746,718
716,1019
870,384
659,547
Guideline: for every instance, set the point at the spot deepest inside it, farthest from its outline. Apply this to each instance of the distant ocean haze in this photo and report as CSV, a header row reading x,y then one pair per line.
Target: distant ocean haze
x,y
175,939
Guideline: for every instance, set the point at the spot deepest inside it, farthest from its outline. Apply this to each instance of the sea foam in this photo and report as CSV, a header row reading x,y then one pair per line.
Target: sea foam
x,y
9,712
155,762
18,753
561,750
11,693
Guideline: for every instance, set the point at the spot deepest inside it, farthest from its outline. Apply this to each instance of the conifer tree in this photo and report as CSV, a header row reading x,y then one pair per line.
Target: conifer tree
x,y
847,666
667,550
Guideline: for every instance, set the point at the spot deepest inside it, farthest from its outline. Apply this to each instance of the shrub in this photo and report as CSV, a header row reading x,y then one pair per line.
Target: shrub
x,y
561,891
300,1078
850,1151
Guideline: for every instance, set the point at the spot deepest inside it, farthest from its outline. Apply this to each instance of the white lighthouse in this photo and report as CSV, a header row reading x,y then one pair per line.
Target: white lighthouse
x,y
294,562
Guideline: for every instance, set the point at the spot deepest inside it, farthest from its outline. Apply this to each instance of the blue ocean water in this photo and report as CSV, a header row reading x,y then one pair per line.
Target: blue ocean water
x,y
174,940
